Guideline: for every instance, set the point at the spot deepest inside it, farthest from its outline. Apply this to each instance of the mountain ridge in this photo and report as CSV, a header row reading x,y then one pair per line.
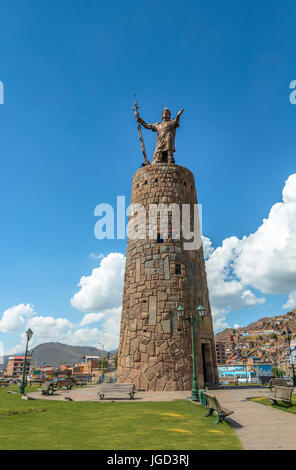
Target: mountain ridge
x,y
56,354
273,322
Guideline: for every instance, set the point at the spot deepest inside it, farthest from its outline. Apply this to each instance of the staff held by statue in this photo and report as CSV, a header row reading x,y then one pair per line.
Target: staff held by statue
x,y
136,109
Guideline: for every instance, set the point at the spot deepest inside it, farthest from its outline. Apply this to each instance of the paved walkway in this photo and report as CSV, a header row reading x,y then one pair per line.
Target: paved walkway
x,y
257,426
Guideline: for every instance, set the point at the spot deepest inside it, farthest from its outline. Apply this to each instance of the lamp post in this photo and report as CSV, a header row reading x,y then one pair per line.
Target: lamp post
x,y
287,337
246,369
103,356
29,334
279,362
194,318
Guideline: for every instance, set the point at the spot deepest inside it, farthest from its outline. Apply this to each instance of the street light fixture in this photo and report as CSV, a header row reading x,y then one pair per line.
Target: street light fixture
x,y
29,334
287,337
103,356
244,359
194,318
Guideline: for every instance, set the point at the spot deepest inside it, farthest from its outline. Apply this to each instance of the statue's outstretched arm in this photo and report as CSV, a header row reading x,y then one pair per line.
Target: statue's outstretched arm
x,y
144,124
179,115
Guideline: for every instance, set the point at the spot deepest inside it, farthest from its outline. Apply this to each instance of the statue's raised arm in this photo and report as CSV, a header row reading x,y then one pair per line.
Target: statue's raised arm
x,y
147,126
179,115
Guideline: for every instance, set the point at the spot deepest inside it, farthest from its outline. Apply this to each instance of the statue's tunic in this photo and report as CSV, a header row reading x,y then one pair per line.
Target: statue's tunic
x,y
166,131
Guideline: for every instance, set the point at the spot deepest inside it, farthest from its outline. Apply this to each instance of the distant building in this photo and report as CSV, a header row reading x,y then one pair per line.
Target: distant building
x,y
259,332
90,358
47,371
251,371
15,366
221,352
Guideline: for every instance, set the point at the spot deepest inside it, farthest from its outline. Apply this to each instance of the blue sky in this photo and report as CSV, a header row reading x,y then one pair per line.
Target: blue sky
x,y
69,138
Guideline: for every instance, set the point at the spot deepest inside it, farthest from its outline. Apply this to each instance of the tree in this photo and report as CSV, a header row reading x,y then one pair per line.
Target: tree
x,y
115,361
103,364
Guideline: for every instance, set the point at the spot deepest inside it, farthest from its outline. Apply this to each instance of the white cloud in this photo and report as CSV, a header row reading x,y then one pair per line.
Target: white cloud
x,y
291,302
219,318
264,260
14,318
207,247
107,334
100,294
44,329
94,337
289,191
49,328
227,292
268,257
96,257
96,317
91,318
103,288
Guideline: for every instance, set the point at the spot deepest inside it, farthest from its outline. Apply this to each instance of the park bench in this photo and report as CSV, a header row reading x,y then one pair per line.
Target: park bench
x,y
277,382
80,382
214,405
4,383
67,383
35,381
282,394
48,388
117,388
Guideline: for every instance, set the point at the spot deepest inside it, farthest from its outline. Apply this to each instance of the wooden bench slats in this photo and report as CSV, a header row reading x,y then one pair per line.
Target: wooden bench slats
x,y
280,393
111,386
116,388
278,382
214,405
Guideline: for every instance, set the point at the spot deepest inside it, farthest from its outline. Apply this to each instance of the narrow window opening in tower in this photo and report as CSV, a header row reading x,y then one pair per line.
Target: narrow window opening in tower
x,y
146,182
184,183
156,180
177,269
170,228
159,238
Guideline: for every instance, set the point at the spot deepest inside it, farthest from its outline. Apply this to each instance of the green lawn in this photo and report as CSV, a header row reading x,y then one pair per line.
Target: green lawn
x,y
289,409
45,424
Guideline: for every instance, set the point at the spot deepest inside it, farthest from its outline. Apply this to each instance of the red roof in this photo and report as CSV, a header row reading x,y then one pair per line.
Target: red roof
x,y
18,357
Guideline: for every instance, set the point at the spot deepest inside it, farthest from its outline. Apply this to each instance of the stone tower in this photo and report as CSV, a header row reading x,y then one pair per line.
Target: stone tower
x,y
155,343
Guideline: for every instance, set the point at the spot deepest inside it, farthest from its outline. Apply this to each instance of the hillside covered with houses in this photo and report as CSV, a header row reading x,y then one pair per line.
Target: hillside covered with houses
x,y
266,340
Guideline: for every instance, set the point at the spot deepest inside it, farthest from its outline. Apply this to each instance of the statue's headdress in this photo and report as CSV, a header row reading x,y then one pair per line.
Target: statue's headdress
x,y
167,111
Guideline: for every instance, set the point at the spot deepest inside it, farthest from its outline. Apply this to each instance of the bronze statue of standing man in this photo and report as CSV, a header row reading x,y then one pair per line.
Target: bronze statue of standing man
x,y
166,131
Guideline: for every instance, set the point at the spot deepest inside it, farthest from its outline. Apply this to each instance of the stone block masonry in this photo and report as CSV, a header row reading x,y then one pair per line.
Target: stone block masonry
x,y
155,347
